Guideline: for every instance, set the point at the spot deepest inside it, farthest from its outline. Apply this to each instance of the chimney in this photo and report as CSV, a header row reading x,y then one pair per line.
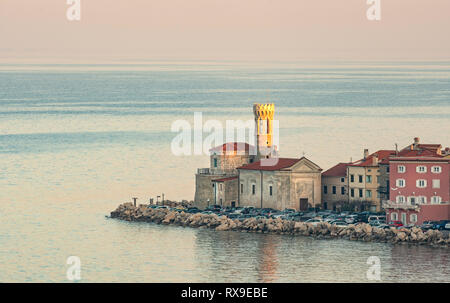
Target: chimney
x,y
416,143
366,153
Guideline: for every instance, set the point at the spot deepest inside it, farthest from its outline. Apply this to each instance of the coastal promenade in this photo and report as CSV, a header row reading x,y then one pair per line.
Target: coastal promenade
x,y
322,230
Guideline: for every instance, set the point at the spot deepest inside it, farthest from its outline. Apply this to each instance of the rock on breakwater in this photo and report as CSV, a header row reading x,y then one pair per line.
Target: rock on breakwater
x,y
323,230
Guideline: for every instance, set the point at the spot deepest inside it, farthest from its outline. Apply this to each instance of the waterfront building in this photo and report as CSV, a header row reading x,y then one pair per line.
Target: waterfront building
x,y
243,175
335,187
364,180
420,184
291,183
217,184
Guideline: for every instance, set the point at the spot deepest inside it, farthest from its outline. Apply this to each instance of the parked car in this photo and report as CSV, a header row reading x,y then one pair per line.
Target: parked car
x,y
396,223
376,218
428,225
376,222
340,223
447,226
441,224
351,219
193,210
384,226
314,222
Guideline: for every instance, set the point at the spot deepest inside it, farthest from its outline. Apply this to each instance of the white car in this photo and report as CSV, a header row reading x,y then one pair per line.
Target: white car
x,y
340,223
314,222
447,226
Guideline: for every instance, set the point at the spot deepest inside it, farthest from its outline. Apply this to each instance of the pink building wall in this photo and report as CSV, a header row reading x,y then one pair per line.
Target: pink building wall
x,y
428,211
411,176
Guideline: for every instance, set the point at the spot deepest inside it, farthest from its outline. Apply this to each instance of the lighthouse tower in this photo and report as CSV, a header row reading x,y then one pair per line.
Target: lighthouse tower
x,y
264,129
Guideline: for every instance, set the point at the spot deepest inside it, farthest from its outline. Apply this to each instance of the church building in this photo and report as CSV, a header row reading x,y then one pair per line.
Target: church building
x,y
243,175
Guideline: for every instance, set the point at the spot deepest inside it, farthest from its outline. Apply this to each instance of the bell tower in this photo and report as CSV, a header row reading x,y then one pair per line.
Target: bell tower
x,y
264,128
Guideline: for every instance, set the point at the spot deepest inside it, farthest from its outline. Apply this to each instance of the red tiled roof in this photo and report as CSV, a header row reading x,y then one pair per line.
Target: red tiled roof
x,y
429,159
418,153
339,170
433,147
232,147
225,179
382,155
281,164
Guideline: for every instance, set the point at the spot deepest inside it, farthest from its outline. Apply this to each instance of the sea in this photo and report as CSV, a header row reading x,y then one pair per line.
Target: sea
x,y
77,140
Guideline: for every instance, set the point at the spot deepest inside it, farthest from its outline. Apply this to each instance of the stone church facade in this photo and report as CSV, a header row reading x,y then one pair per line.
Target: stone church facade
x,y
291,183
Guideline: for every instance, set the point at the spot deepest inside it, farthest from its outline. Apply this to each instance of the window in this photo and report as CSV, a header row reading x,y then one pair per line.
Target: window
x,y
400,199
421,183
253,189
404,218
421,169
436,200
401,169
436,169
342,190
334,190
352,178
360,193
242,188
342,180
369,179
422,200
352,192
400,183
394,216
270,190
436,183
388,169
360,178
325,189
368,193
412,200
220,186
413,218
378,179
215,162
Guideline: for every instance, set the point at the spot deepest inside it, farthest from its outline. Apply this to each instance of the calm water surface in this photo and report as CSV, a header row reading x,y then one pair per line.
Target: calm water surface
x,y
77,140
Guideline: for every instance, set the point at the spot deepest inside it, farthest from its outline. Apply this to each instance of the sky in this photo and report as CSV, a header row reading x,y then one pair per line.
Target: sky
x,y
224,30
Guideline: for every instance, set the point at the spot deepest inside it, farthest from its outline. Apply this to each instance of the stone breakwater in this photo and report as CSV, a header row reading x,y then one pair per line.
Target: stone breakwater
x,y
323,230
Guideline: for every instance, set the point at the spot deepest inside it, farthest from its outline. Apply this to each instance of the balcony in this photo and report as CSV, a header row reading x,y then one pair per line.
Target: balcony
x,y
395,205
216,171
203,171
